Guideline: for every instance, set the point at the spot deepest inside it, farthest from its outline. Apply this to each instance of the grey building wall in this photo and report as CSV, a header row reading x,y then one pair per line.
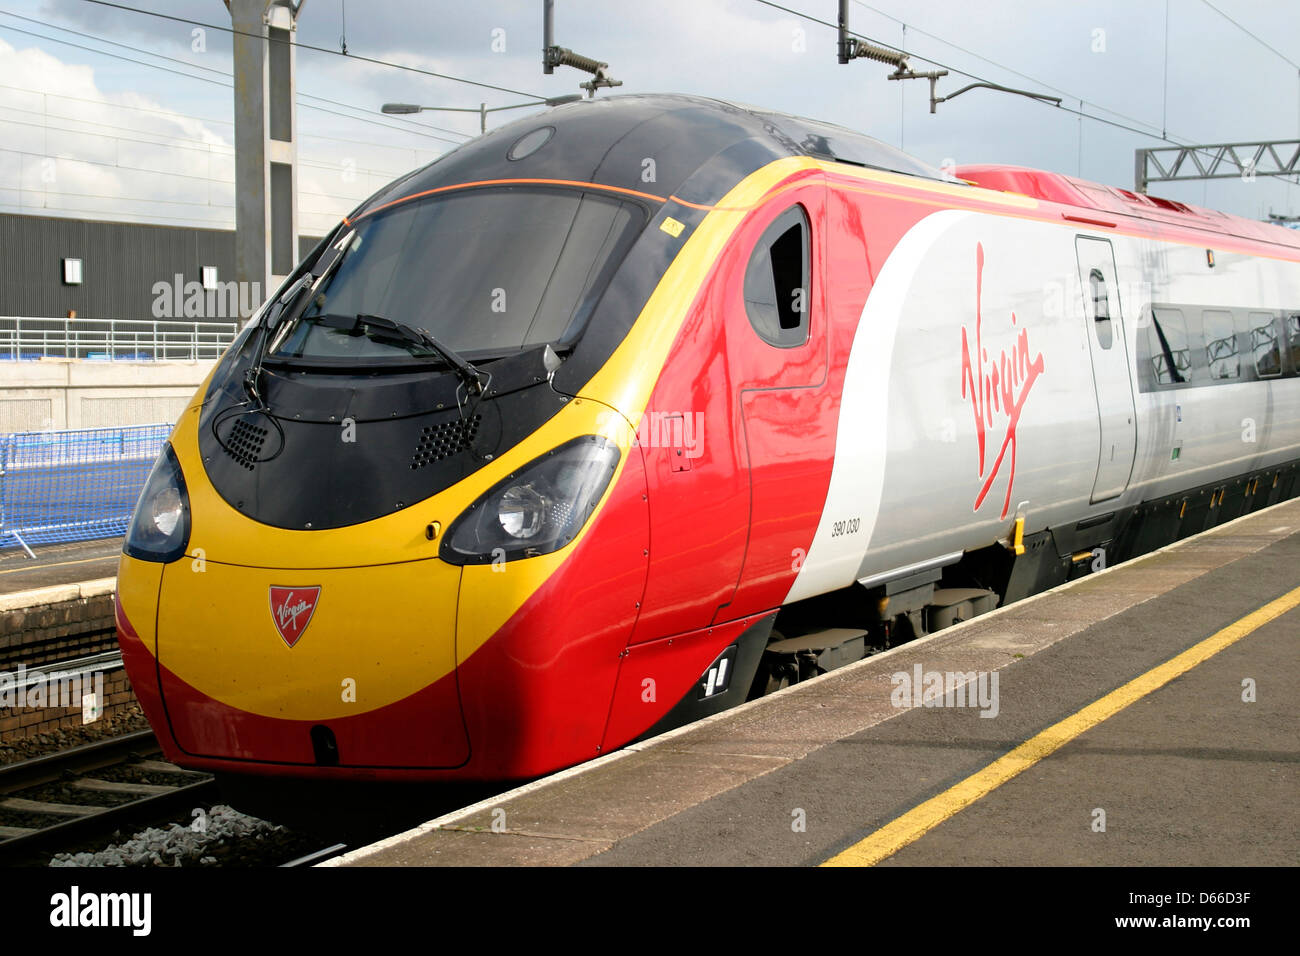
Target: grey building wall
x,y
121,263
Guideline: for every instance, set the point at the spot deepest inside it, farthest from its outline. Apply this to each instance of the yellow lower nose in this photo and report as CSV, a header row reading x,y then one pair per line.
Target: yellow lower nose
x,y
266,641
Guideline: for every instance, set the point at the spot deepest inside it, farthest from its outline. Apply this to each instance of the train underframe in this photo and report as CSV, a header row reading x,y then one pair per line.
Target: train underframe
x,y
818,635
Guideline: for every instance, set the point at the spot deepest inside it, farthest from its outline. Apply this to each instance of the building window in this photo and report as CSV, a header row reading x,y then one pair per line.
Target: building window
x,y
777,281
209,274
72,272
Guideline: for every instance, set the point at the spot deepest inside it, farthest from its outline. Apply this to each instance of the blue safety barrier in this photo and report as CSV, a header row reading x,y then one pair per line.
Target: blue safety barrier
x,y
73,485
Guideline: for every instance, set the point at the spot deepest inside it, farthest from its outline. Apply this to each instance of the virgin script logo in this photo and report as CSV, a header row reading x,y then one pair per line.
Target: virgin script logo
x,y
291,611
997,390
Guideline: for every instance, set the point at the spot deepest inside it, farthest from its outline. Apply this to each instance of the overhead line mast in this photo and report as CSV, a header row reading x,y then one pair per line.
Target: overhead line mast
x,y
266,148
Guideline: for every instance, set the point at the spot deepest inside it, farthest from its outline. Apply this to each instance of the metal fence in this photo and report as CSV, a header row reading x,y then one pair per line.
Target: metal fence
x,y
73,485
113,339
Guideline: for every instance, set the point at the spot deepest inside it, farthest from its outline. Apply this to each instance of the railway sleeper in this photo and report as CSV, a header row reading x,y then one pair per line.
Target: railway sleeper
x,y
163,766
95,785
51,809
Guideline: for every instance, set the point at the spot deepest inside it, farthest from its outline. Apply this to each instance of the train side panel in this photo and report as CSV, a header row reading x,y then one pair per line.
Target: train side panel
x,y
964,399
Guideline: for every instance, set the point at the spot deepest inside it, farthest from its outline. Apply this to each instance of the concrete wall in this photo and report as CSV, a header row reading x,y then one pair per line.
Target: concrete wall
x,y
74,393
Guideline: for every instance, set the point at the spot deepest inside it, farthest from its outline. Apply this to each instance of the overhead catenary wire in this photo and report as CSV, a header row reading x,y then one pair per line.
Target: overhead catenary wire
x,y
120,106
1266,46
385,174
224,150
173,114
204,79
1001,66
97,162
967,73
113,215
1257,38
1081,112
226,78
77,195
319,49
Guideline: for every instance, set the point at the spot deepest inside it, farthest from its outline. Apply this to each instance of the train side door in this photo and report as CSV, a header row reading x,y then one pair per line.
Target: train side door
x,y
1108,347
777,341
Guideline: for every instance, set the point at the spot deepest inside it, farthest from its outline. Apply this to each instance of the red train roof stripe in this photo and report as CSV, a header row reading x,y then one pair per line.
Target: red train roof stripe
x,y
1081,193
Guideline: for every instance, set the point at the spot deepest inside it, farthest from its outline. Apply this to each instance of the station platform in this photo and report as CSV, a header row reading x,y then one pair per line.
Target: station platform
x,y
58,565
1143,715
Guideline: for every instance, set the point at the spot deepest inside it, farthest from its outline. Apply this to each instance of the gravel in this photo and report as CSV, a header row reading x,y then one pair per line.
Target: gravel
x,y
120,723
221,837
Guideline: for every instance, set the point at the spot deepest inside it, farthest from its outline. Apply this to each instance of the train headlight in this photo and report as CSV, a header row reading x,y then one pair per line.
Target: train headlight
x,y
160,527
537,510
522,512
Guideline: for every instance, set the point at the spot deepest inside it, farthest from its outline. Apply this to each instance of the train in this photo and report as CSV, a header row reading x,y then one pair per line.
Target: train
x,y
638,408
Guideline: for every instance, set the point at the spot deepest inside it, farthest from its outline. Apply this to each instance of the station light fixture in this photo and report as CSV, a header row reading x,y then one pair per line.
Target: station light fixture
x,y
403,109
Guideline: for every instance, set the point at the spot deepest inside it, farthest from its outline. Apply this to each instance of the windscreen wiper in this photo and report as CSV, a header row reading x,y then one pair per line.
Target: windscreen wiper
x,y
292,304
473,378
286,308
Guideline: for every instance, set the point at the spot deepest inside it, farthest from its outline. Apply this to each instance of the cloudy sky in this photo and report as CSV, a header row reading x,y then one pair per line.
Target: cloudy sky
x,y
110,113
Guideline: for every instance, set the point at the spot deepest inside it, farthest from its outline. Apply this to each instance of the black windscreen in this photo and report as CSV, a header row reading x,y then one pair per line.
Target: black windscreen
x,y
483,270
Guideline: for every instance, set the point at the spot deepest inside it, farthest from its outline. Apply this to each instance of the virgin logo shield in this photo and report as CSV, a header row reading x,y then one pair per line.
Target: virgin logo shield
x,y
291,610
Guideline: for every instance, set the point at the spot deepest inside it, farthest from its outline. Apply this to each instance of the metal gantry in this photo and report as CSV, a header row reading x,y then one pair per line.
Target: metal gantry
x,y
1167,164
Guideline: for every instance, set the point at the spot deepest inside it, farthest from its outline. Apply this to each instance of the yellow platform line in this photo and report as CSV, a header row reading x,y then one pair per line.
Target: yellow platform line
x,y
918,821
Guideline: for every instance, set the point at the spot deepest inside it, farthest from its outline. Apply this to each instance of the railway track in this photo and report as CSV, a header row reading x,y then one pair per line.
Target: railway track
x,y
101,799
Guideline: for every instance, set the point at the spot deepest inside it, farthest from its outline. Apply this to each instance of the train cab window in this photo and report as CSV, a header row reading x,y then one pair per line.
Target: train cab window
x,y
1293,333
1265,344
777,281
1100,308
1170,356
488,272
1221,345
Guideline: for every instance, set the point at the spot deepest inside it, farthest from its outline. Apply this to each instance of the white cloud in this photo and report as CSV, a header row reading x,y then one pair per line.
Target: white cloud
x,y
71,148
745,51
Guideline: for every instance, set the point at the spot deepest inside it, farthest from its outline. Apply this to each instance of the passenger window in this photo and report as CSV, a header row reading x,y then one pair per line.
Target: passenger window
x,y
1221,345
1171,358
1100,308
1265,345
777,289
1293,332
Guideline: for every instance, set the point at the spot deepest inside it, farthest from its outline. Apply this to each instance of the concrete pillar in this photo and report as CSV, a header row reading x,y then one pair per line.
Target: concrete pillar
x,y
266,145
